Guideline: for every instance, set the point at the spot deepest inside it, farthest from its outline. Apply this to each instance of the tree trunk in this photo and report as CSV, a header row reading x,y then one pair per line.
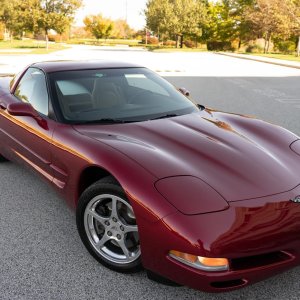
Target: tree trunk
x,y
298,48
177,41
267,42
265,47
6,34
47,40
181,41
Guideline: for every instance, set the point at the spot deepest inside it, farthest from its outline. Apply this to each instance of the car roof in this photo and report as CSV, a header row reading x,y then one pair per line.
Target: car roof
x,y
70,65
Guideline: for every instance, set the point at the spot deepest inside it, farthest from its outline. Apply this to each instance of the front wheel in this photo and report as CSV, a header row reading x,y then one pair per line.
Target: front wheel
x,y
2,158
107,226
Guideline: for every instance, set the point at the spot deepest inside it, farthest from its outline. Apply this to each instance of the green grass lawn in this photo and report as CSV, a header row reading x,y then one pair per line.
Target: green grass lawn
x,y
28,47
166,50
132,43
105,42
290,57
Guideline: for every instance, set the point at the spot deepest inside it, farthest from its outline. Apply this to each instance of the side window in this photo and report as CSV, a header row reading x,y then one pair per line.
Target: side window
x,y
32,89
142,82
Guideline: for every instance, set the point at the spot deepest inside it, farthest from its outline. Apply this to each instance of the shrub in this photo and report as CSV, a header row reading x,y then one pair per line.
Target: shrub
x,y
189,44
286,47
52,38
254,49
170,43
219,46
152,40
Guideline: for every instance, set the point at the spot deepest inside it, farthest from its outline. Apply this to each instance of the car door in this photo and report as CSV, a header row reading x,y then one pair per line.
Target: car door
x,y
25,138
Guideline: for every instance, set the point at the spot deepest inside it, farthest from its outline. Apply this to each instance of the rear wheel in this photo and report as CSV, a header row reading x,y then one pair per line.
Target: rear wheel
x,y
107,226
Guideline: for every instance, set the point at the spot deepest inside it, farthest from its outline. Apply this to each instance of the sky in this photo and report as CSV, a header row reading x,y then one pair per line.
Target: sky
x,y
114,9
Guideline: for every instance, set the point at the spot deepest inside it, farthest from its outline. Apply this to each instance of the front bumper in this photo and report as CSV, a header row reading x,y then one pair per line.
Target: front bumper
x,y
260,237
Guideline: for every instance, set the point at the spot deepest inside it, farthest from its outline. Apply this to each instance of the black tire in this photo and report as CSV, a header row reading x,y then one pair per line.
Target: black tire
x,y
2,158
107,226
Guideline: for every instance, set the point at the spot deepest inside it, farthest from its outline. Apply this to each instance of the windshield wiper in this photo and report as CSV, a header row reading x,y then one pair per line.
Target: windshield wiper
x,y
105,121
165,116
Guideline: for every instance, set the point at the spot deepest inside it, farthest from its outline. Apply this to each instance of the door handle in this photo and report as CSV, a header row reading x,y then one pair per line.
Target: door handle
x,y
2,105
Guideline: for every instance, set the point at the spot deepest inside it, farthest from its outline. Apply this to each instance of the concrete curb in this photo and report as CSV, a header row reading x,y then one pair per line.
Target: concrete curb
x,y
258,59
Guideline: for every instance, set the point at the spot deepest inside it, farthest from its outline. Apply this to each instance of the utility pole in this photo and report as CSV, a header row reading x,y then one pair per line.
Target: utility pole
x,y
146,29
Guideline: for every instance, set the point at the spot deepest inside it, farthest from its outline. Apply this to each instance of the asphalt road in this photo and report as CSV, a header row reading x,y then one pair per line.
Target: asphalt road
x,y
41,255
274,99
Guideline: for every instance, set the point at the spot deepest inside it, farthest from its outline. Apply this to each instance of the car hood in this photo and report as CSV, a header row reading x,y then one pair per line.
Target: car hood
x,y
239,156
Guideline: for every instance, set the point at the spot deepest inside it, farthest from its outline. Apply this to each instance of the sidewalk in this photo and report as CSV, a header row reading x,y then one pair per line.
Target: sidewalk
x,y
267,60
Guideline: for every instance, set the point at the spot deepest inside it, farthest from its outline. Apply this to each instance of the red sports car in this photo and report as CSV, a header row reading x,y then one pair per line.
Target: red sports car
x,y
198,197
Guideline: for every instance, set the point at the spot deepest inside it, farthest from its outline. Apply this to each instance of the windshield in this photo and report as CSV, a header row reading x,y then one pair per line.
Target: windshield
x,y
125,95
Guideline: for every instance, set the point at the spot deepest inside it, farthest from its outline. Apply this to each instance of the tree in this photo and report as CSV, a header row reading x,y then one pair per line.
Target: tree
x,y
121,29
296,27
56,15
271,17
99,27
221,25
188,16
11,15
241,28
246,20
159,14
34,15
176,17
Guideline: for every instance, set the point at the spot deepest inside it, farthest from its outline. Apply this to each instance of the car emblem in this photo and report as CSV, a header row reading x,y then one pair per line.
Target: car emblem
x,y
296,199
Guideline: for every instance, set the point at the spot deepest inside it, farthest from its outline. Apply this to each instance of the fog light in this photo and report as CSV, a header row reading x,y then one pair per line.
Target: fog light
x,y
211,264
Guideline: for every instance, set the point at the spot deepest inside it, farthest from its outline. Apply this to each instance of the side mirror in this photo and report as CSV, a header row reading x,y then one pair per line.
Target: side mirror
x,y
184,91
22,109
26,110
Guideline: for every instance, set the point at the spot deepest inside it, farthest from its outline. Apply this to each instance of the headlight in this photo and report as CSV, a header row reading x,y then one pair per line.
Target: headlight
x,y
210,264
190,195
295,146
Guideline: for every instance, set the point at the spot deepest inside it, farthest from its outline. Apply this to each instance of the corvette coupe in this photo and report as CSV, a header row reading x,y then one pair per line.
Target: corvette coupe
x,y
198,197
